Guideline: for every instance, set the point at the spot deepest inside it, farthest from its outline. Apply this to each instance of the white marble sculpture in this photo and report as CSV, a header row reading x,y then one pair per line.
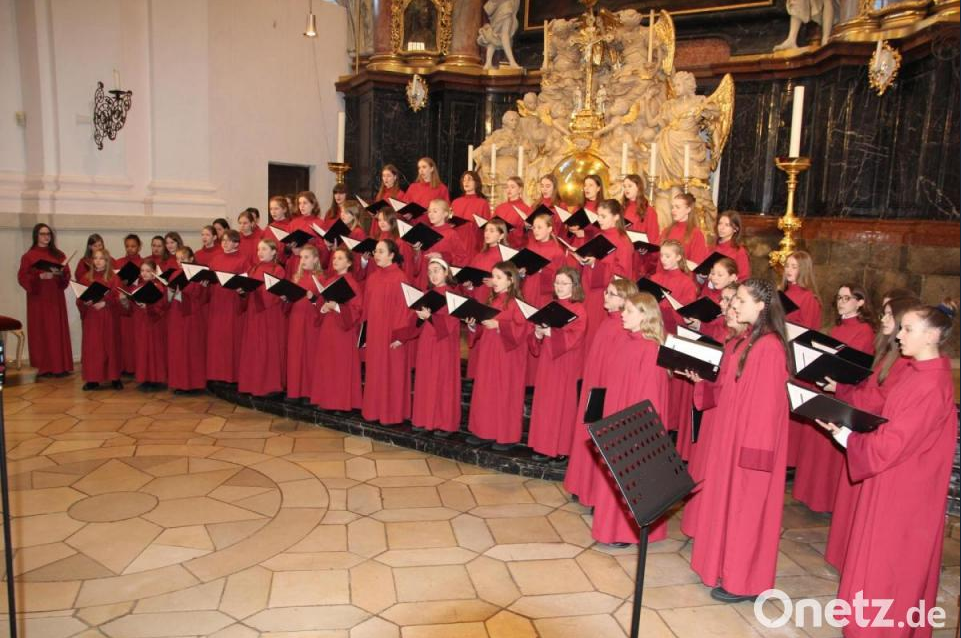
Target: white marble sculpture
x,y
500,29
804,11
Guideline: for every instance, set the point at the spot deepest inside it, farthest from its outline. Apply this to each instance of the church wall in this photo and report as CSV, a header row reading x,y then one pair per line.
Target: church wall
x,y
220,88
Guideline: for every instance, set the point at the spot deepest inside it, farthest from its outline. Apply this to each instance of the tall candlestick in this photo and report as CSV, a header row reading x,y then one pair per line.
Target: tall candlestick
x,y
687,160
494,161
544,63
716,181
520,162
341,135
116,80
797,118
652,167
470,157
623,159
650,38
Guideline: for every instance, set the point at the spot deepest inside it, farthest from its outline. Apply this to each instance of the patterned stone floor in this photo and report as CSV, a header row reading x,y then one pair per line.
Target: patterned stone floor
x,y
159,516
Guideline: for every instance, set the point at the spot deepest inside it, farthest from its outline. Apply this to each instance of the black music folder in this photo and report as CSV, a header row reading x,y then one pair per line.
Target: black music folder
x,y
694,335
360,246
704,310
552,315
481,222
45,265
683,354
409,210
815,405
234,281
374,208
337,230
658,291
129,273
283,288
475,276
417,299
198,273
91,294
594,408
642,241
294,239
704,268
466,308
789,306
581,218
597,247
339,291
362,335
524,258
146,294
814,362
418,234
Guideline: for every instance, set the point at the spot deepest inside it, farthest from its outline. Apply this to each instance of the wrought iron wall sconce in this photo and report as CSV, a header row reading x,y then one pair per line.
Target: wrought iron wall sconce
x,y
109,113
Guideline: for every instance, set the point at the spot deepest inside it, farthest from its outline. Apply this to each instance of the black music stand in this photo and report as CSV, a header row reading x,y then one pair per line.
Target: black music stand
x,y
648,471
5,503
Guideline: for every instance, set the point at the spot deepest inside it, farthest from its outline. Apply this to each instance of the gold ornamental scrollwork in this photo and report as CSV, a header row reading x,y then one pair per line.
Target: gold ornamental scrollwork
x,y
444,29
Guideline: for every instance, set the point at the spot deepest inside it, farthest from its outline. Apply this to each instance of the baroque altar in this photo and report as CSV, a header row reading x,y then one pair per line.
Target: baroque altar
x,y
612,104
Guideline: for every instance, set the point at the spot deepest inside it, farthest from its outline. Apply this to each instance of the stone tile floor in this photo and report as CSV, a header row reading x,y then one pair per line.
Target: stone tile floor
x,y
159,516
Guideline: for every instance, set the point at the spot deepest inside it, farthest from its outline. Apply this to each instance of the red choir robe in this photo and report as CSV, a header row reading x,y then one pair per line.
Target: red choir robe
x,y
423,193
336,373
560,358
450,248
357,269
288,225
678,415
204,256
808,315
263,367
170,263
465,207
409,265
517,235
740,257
384,194
387,383
150,335
100,358
695,248
869,396
897,536
819,459
716,328
585,469
645,264
485,261
225,320
632,377
538,289
128,347
248,246
596,278
48,336
187,337
437,391
84,266
497,400
302,333
738,525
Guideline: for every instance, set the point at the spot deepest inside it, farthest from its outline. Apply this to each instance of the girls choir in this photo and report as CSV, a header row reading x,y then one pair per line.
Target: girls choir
x,y
357,349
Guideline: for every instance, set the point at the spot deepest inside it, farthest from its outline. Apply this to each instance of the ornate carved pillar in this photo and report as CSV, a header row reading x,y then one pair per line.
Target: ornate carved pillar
x,y
380,17
467,18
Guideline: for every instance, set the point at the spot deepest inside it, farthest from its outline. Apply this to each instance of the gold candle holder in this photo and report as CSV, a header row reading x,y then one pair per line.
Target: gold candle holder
x,y
339,169
686,184
492,186
789,224
651,181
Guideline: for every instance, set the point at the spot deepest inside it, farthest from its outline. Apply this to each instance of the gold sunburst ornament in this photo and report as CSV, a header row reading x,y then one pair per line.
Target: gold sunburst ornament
x,y
417,93
883,67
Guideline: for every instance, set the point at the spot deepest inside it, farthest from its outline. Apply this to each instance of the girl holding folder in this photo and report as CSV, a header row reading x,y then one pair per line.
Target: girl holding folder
x,y
472,202
263,366
100,352
131,246
150,331
684,228
225,314
301,325
187,332
49,343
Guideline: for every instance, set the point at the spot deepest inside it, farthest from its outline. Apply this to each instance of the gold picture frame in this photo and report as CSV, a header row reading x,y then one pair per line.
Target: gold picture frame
x,y
405,12
883,67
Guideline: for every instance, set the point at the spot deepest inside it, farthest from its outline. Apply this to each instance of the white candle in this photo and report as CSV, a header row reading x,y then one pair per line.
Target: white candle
x,y
470,157
341,135
116,80
520,162
687,160
797,117
716,181
650,38
494,160
544,63
623,159
652,167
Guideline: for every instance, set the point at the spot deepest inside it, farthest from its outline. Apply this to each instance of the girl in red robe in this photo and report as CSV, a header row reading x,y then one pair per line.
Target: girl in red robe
x,y
172,242
387,382
596,274
593,189
640,217
437,391
450,248
742,499
249,238
495,232
428,186
632,377
387,229
390,184
263,361
302,328
354,218
471,203
128,350
897,536
799,285
100,353
819,461
723,274
225,313
187,332
507,210
150,332
336,374
585,468
209,246
560,356
728,232
280,218
497,401
338,201
547,185
159,255
94,243
684,228
220,225
870,396
48,334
